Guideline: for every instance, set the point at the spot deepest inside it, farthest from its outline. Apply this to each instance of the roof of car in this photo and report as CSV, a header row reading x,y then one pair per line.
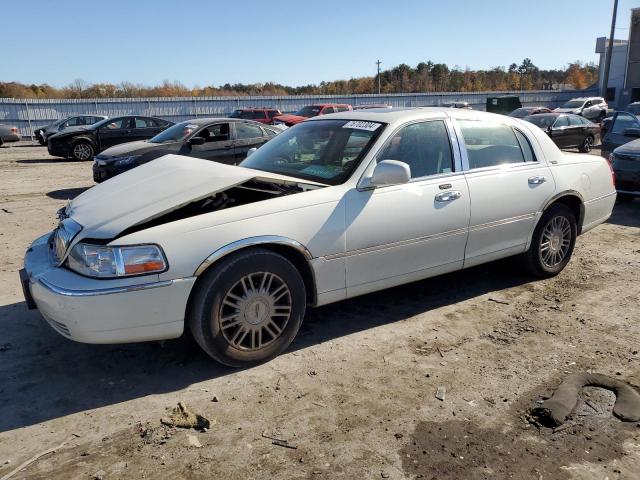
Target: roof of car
x,y
202,121
394,115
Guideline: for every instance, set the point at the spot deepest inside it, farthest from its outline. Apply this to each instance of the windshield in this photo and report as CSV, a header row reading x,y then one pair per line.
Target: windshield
x,y
542,121
176,133
573,104
322,151
309,111
237,114
520,113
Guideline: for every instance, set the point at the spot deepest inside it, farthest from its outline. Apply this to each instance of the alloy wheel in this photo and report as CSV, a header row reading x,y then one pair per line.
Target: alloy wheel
x,y
555,241
82,151
255,311
588,143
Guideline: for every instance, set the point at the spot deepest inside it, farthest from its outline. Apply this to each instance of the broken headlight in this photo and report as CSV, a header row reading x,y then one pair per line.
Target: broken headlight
x,y
112,262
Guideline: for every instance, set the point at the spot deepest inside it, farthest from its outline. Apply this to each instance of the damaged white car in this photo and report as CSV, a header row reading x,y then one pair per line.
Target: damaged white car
x,y
334,207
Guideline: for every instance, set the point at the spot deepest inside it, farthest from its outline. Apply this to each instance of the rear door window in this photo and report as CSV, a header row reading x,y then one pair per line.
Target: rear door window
x,y
624,121
246,130
490,144
575,121
561,122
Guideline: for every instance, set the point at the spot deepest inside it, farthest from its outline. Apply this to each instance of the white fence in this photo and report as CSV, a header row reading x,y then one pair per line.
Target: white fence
x,y
28,114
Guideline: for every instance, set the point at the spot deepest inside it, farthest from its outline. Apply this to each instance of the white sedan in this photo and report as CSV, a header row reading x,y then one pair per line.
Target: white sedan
x,y
337,206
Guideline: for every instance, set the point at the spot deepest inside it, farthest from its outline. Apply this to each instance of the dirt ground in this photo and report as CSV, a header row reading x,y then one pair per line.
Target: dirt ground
x,y
354,397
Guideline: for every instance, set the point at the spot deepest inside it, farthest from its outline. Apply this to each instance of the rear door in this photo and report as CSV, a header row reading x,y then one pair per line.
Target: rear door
x,y
560,133
144,128
247,135
509,183
577,130
116,131
218,145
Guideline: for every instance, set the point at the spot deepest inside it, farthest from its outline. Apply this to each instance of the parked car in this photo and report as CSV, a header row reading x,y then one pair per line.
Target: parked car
x,y
504,104
526,111
567,131
262,115
8,134
42,134
633,108
369,106
311,111
82,143
460,105
223,140
618,129
592,108
329,209
625,161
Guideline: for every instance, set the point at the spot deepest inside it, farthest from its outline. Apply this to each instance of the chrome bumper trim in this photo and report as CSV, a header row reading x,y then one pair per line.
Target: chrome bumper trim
x,y
104,291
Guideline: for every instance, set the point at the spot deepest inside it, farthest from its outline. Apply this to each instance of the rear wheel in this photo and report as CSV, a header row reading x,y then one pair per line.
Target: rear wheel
x,y
587,144
82,151
553,241
249,308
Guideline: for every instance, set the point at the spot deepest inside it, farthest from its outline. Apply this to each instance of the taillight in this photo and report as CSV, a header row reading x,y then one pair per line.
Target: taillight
x,y
14,130
613,174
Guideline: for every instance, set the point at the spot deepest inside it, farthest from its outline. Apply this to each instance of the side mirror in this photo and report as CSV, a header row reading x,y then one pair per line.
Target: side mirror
x,y
250,151
196,141
632,132
390,172
549,129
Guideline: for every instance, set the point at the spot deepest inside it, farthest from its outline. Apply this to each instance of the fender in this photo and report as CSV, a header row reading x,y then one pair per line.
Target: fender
x,y
249,242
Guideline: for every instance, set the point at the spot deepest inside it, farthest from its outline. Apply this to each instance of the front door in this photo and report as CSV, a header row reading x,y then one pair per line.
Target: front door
x,y
509,184
615,134
114,132
401,233
218,144
248,136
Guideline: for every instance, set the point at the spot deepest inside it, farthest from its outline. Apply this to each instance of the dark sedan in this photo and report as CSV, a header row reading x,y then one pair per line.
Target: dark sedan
x,y
526,111
42,134
625,161
223,140
567,130
82,143
618,129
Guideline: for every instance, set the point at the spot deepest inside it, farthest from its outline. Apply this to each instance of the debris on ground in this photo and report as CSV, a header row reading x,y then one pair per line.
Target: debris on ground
x,y
497,300
281,442
440,393
181,417
99,475
215,399
192,441
557,409
33,459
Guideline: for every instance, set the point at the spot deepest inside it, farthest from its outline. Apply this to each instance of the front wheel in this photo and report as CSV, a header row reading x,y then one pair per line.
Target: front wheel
x,y
248,308
553,241
82,151
587,144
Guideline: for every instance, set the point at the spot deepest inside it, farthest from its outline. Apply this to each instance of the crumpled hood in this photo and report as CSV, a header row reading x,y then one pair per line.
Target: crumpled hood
x,y
127,149
156,188
630,148
69,131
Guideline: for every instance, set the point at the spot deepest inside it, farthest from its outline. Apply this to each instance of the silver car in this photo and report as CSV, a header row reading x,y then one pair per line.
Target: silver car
x,y
8,133
42,134
592,108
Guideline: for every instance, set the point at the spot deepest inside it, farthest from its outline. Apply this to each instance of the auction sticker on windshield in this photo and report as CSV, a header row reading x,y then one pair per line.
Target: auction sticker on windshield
x,y
360,125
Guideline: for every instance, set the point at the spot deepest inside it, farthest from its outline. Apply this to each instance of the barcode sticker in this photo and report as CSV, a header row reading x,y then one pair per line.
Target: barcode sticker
x,y
360,125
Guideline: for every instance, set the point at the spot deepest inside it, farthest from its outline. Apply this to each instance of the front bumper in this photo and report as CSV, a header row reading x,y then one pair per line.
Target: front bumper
x,y
105,172
103,311
58,149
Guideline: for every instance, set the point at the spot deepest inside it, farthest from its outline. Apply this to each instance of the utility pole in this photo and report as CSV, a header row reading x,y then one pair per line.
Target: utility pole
x,y
607,61
378,63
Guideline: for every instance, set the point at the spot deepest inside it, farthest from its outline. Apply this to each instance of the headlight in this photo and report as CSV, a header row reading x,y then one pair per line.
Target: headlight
x,y
119,161
111,262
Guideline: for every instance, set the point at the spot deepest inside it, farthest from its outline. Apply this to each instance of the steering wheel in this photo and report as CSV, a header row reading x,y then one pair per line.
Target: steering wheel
x,y
283,158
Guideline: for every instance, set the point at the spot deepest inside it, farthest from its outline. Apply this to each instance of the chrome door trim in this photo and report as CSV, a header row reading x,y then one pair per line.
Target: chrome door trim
x,y
248,242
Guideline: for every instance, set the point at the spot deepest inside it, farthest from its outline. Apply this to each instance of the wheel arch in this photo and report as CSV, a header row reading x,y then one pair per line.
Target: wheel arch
x,y
572,199
291,249
85,139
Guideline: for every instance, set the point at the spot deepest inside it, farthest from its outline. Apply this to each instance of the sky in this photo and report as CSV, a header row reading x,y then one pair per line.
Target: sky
x,y
289,42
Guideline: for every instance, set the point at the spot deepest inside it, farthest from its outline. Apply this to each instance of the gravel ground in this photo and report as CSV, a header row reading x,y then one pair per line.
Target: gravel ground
x,y
354,397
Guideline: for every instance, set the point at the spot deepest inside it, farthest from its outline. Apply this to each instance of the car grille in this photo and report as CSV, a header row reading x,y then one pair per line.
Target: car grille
x,y
61,239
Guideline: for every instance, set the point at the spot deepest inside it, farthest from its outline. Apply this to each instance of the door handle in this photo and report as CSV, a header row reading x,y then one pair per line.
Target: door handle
x,y
448,196
537,180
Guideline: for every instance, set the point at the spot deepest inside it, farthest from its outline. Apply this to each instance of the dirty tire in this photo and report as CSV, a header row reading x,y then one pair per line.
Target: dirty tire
x,y
559,215
231,297
82,151
587,144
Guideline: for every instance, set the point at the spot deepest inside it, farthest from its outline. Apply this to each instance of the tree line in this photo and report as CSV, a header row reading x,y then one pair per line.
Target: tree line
x,y
424,77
